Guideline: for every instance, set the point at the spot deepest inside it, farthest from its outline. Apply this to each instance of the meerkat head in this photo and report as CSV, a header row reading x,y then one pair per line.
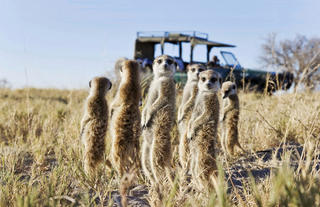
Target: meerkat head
x,y
194,70
118,65
129,68
209,80
228,88
100,85
164,65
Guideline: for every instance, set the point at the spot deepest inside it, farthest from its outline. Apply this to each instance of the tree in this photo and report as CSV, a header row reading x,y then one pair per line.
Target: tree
x,y
301,56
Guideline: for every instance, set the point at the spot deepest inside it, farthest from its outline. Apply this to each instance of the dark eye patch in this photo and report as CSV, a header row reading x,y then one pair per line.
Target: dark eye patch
x,y
213,80
159,61
200,70
193,69
169,61
203,79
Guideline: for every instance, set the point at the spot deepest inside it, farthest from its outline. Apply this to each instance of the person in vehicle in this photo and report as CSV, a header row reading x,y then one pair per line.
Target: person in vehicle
x,y
214,63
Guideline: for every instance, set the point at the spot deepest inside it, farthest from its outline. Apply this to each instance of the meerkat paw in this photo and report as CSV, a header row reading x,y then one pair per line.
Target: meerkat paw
x,y
148,121
221,119
179,118
148,124
111,113
190,134
143,123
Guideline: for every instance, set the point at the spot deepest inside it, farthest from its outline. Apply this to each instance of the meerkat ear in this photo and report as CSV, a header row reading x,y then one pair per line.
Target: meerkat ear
x,y
220,80
188,67
90,84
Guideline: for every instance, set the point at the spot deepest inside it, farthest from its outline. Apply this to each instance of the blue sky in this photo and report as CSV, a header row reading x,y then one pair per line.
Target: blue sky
x,y
64,43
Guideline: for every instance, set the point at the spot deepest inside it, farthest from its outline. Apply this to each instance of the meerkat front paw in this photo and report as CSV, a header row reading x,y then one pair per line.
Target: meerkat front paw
x,y
221,119
190,134
143,122
143,125
111,113
180,119
147,121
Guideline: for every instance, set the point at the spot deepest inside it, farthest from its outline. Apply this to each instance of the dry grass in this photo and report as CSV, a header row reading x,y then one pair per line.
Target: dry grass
x,y
40,154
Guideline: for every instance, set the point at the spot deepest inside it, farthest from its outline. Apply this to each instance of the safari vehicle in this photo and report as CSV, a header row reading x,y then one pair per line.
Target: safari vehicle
x,y
149,43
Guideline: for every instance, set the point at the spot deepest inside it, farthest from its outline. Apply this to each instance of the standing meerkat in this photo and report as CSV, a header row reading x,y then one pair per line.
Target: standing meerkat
x,y
94,123
230,117
125,120
184,112
158,118
202,128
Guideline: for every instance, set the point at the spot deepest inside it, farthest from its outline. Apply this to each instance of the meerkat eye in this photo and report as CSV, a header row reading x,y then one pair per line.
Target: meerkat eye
x,y
169,62
203,79
193,69
213,80
159,61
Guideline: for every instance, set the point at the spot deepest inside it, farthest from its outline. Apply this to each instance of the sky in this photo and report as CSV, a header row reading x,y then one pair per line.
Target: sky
x,y
64,43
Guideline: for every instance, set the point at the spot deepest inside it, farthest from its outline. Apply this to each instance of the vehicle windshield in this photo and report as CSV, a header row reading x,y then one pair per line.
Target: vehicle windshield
x,y
230,59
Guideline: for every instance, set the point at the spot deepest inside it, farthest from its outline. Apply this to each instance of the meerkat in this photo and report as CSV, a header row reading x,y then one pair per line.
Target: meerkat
x,y
184,112
158,118
202,128
94,123
230,117
125,120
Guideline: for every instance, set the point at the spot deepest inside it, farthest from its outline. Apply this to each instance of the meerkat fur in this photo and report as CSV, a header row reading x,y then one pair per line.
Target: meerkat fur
x,y
94,123
125,120
184,112
158,118
202,129
230,118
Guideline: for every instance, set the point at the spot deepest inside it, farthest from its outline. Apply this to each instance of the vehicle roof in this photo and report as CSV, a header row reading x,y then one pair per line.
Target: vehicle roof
x,y
194,37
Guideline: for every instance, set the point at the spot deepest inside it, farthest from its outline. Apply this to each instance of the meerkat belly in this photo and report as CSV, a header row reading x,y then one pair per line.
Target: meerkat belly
x,y
231,123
